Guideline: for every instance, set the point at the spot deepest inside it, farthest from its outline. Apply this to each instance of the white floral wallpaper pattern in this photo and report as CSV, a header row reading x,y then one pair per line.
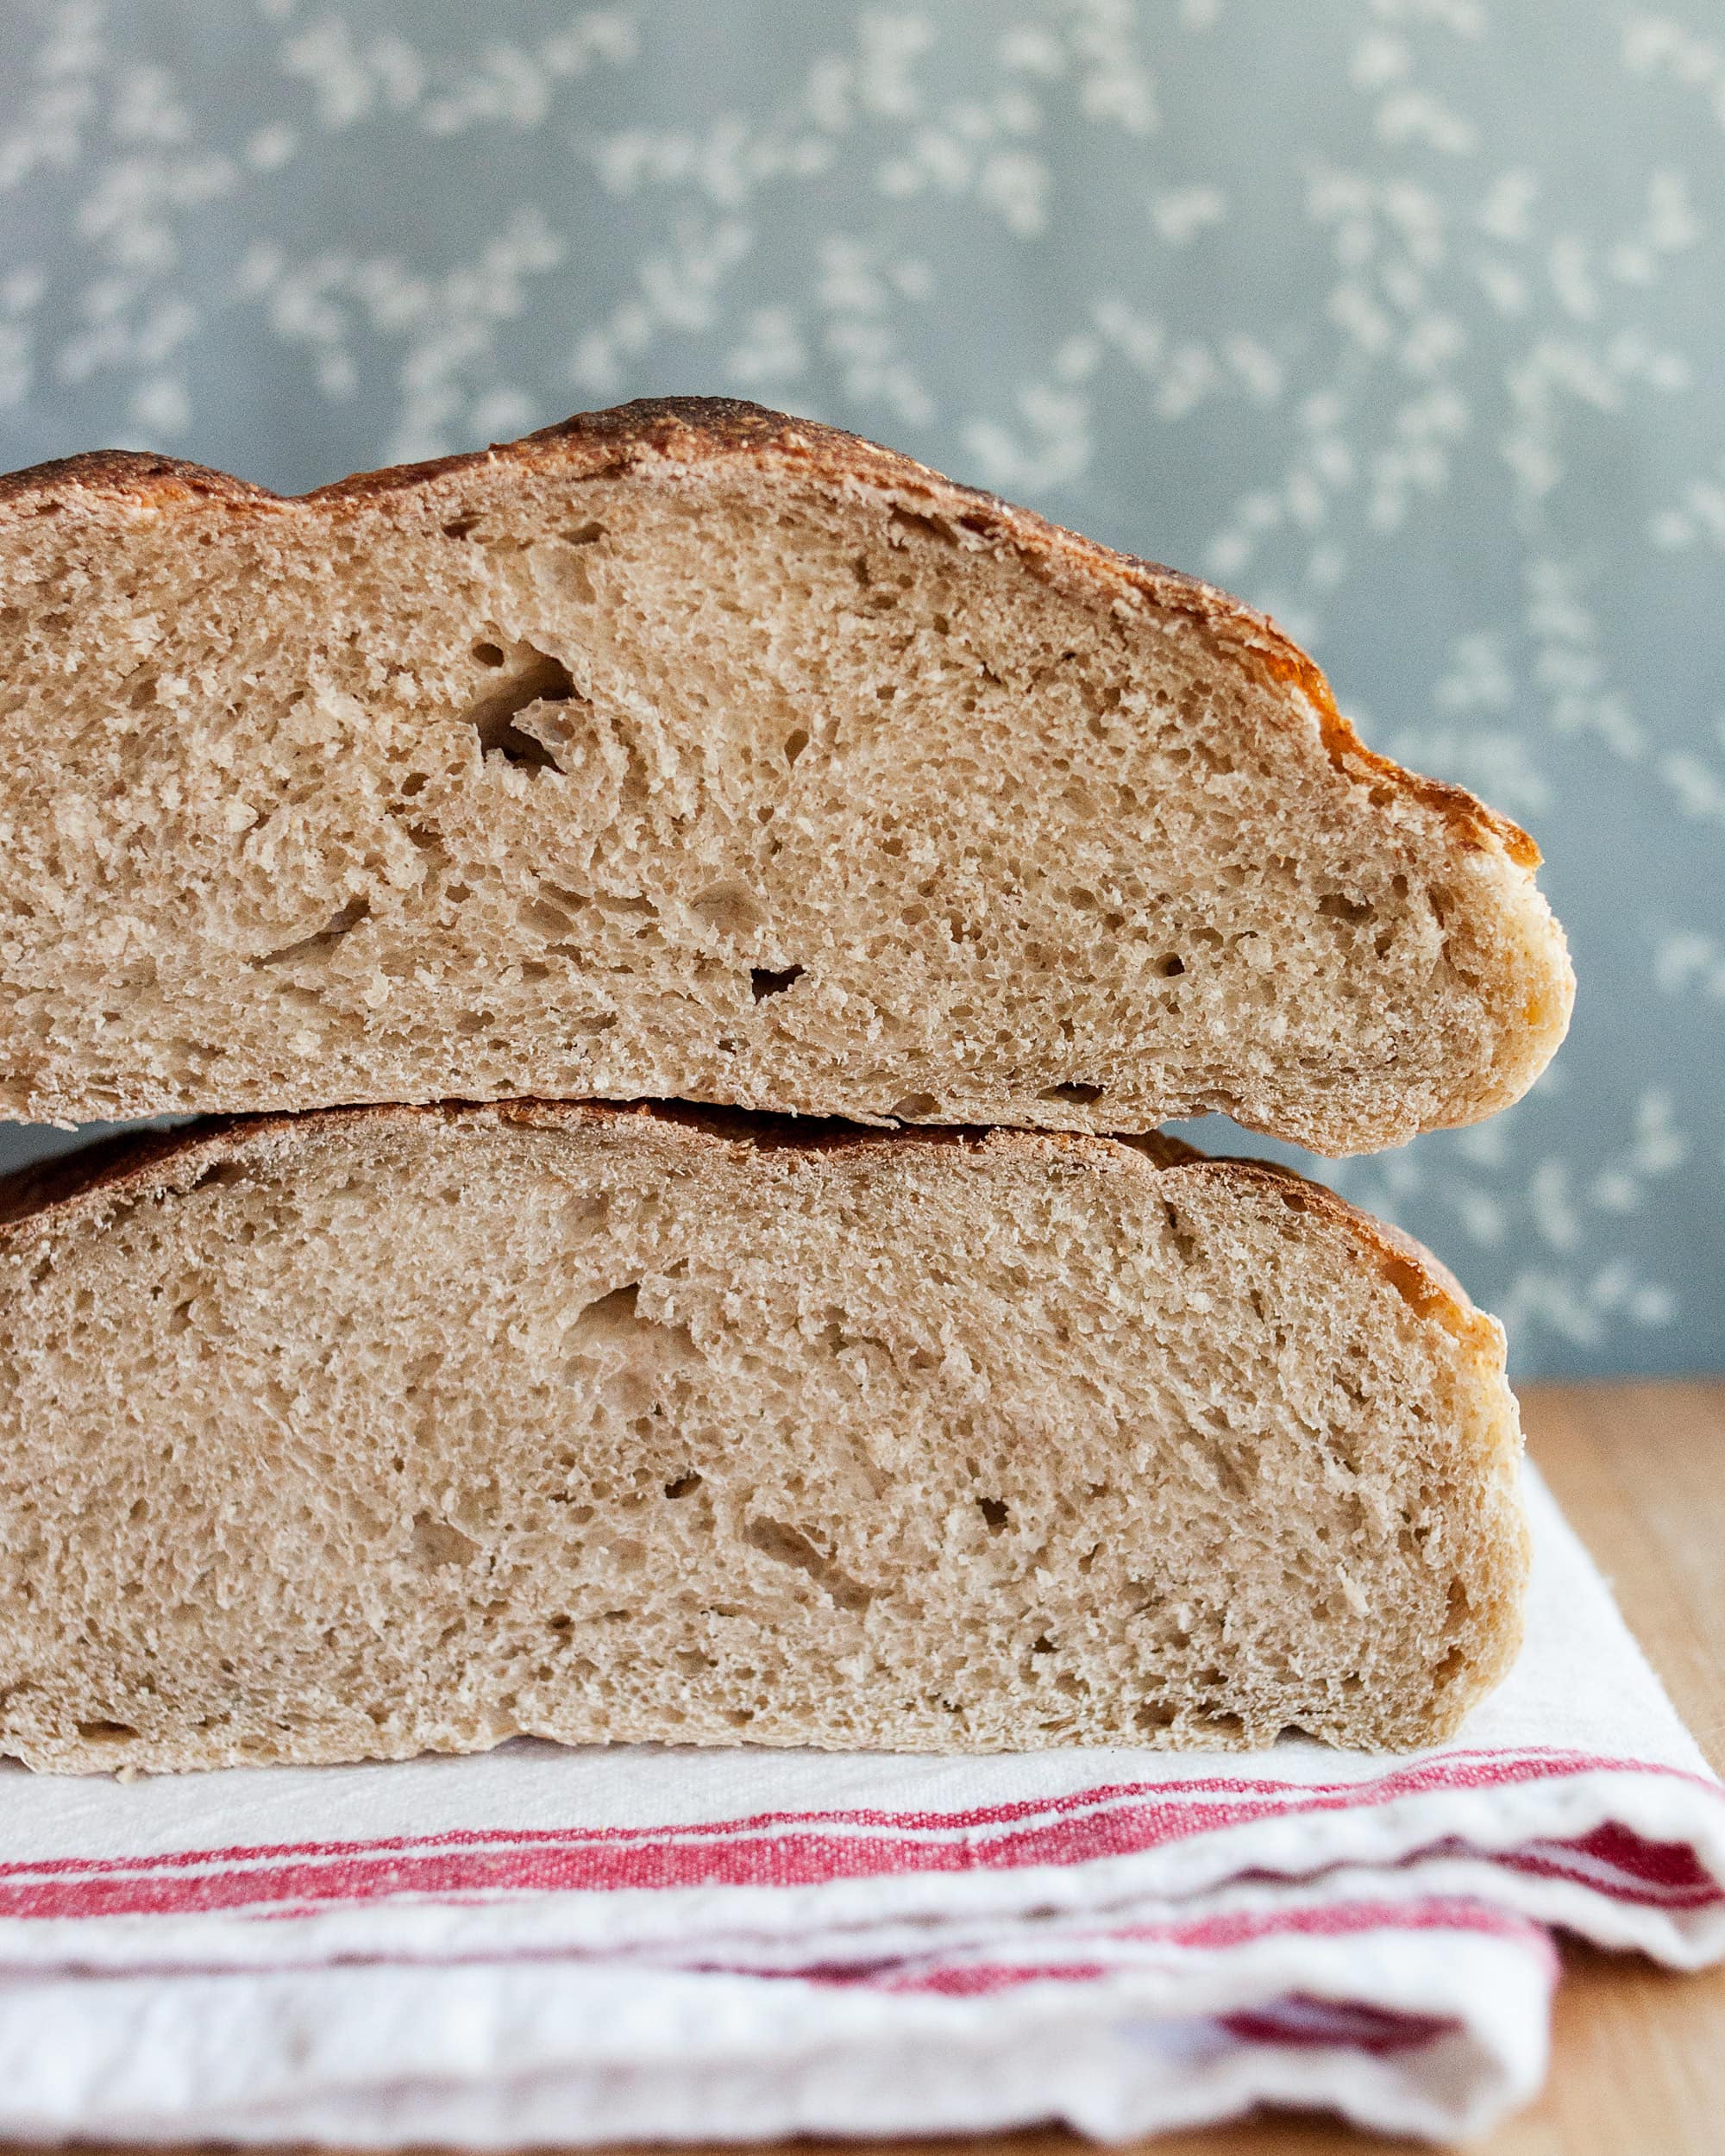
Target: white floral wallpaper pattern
x,y
1403,317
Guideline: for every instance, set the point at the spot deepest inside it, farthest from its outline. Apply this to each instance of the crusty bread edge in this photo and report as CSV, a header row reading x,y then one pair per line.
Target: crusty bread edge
x,y
692,430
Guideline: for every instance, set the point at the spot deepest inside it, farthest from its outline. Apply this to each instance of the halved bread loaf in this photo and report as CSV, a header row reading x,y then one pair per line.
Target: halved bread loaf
x,y
374,1431
689,751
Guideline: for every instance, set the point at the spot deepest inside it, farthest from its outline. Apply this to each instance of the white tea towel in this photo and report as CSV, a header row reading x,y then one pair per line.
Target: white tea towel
x,y
539,1945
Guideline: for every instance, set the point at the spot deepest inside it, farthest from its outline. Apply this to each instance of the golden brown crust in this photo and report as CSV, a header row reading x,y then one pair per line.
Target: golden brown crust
x,y
137,1165
122,1163
136,474
1421,1278
702,429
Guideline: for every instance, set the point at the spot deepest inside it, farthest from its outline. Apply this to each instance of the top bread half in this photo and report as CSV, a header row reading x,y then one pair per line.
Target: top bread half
x,y
690,752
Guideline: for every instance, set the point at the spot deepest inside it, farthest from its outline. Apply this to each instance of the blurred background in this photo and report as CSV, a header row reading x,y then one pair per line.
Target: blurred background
x,y
1403,319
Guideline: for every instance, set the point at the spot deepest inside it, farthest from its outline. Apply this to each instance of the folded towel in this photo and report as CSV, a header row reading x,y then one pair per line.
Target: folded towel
x,y
539,1946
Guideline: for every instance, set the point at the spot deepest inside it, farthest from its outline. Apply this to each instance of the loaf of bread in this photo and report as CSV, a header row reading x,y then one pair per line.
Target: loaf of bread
x,y
358,1433
686,751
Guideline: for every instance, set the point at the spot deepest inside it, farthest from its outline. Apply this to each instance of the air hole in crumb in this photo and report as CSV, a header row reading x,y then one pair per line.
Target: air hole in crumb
x,y
1042,1644
923,527
1080,1094
685,1486
1224,1725
584,535
731,908
616,1321
994,1512
103,1733
788,1545
219,1177
764,982
338,925
586,1214
459,527
537,679
1152,1716
914,1106
1171,966
435,1542
1182,1237
615,1314
1336,906
796,743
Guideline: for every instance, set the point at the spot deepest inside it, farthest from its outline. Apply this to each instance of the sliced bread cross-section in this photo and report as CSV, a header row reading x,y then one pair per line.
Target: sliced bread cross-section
x,y
688,752
368,1431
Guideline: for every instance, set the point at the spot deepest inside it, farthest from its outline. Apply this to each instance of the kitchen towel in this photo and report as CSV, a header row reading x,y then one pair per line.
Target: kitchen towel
x,y
577,1946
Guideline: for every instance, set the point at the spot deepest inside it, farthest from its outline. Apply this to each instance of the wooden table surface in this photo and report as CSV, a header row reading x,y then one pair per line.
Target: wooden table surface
x,y
1638,2065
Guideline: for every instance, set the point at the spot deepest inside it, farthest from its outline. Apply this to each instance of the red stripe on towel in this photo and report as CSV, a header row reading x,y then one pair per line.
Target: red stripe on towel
x,y
803,1849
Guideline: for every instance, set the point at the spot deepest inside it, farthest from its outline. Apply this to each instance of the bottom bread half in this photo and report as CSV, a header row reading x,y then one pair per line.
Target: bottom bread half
x,y
358,1434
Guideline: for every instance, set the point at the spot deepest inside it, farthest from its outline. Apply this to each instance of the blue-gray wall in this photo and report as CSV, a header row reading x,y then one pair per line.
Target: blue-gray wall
x,y
1404,319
